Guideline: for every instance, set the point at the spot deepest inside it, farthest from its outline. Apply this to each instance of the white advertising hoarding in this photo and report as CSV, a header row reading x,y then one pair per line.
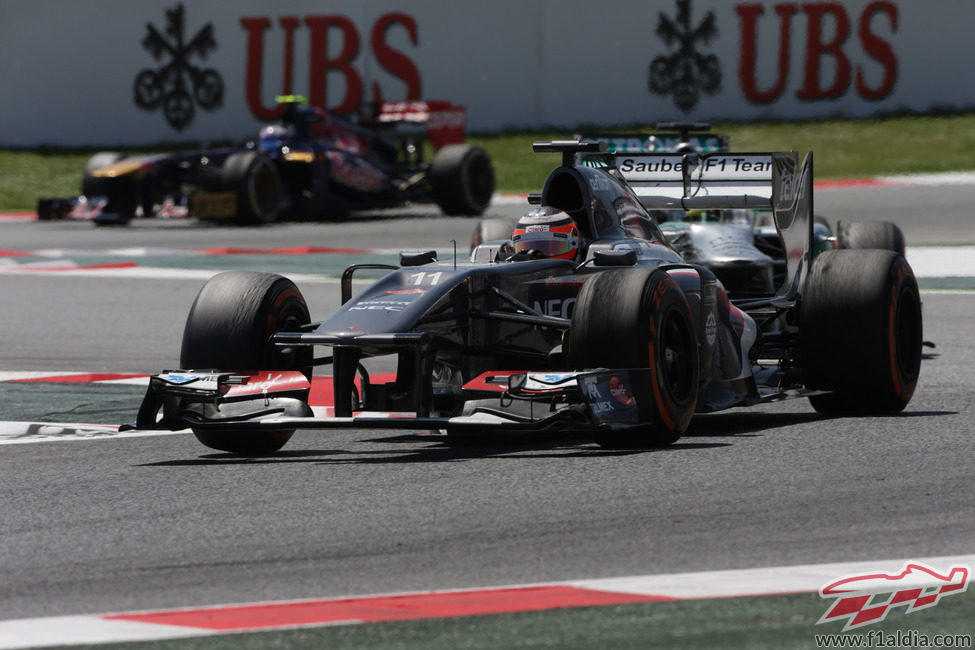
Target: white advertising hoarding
x,y
124,72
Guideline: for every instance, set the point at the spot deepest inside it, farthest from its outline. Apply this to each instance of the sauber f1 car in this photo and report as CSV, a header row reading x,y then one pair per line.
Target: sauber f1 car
x,y
588,323
313,164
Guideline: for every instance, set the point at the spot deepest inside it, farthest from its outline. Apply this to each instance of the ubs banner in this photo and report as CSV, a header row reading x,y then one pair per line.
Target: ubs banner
x,y
113,72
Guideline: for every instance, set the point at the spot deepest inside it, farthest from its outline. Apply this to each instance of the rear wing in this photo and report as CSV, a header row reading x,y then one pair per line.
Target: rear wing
x,y
726,180
669,181
445,123
634,143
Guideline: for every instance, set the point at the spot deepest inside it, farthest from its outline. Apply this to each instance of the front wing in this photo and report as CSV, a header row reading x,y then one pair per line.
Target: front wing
x,y
589,401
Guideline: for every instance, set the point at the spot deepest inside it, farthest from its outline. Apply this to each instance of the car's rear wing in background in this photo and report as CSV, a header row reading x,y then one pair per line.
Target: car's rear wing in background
x,y
727,180
445,123
663,141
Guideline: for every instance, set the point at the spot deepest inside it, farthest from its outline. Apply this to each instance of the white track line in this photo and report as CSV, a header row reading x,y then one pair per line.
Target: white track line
x,y
769,581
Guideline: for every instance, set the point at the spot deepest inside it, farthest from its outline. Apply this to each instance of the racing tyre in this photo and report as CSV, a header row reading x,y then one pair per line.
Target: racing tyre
x,y
640,318
254,179
228,328
860,324
122,191
884,235
462,179
492,230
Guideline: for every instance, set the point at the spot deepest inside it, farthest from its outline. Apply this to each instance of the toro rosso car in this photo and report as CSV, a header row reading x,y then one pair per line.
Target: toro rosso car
x,y
587,322
313,164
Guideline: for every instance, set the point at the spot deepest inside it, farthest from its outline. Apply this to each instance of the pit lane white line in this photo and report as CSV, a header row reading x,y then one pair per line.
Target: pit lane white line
x,y
767,581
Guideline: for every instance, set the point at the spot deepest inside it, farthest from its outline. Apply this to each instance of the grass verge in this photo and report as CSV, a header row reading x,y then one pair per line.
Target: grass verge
x,y
764,622
844,149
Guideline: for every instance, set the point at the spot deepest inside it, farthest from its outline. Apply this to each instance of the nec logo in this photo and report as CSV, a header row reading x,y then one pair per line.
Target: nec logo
x,y
867,598
558,307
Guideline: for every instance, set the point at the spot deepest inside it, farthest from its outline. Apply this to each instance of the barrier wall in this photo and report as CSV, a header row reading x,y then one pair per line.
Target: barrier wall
x,y
104,72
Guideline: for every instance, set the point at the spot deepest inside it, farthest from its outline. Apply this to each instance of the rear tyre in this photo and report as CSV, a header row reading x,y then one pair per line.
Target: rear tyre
x,y
228,328
462,179
884,235
254,180
639,318
860,323
122,192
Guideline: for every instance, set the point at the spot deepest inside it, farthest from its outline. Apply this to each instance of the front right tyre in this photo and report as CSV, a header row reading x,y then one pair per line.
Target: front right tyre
x,y
229,327
640,318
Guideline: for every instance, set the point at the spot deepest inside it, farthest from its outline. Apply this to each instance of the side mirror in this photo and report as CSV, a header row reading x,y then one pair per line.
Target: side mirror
x,y
614,258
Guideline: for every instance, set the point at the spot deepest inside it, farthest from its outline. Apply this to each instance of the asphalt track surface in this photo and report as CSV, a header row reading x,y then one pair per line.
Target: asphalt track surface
x,y
160,522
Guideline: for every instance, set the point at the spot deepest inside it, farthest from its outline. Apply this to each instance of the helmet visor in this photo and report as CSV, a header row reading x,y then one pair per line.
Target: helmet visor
x,y
550,244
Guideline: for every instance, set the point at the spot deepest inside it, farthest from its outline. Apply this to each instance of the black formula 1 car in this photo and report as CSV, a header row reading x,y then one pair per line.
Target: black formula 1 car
x,y
623,342
313,164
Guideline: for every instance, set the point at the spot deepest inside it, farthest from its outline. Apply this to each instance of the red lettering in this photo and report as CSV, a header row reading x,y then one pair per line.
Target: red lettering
x,y
816,49
334,45
392,60
747,63
255,57
290,23
321,64
879,50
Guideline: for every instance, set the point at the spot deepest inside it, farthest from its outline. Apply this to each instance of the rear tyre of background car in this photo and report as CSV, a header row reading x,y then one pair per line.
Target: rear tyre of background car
x,y
884,235
462,179
639,318
254,180
228,328
860,323
122,191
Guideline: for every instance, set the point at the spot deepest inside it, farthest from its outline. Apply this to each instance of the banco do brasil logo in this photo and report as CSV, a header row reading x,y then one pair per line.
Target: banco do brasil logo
x,y
686,72
177,86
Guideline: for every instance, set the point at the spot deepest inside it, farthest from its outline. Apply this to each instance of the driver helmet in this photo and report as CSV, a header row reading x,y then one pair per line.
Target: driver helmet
x,y
272,137
549,231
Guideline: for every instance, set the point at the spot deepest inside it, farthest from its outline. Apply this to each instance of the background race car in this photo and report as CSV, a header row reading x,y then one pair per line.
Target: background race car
x,y
741,246
313,164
